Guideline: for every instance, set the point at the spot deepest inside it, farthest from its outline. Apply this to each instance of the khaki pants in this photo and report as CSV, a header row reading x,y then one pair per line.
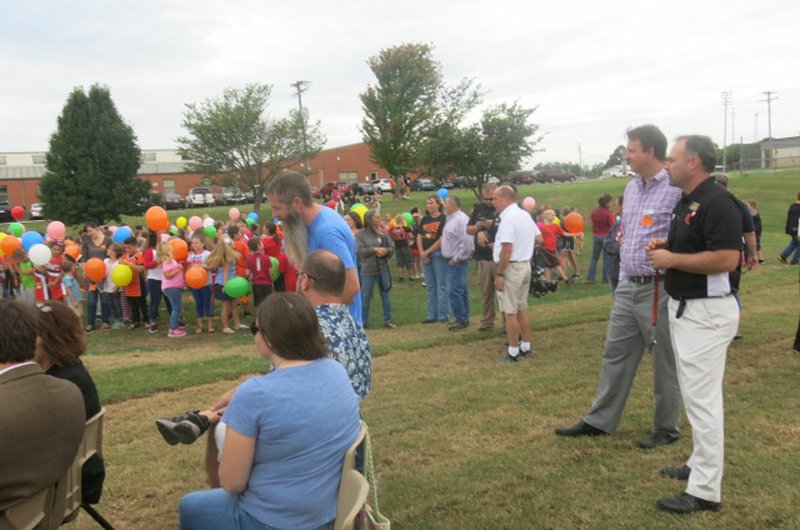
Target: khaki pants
x,y
486,281
701,337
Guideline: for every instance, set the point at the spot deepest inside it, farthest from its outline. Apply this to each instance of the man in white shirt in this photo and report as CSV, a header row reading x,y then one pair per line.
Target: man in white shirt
x,y
513,250
457,247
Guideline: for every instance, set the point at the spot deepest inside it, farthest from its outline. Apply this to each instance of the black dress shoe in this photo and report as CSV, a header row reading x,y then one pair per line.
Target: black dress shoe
x,y
580,429
678,473
686,503
655,439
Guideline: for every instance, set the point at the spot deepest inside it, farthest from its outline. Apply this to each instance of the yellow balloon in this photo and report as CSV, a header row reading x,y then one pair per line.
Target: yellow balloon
x,y
361,210
122,275
181,221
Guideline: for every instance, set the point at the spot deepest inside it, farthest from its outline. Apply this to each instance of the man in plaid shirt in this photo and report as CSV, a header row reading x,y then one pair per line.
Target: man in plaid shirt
x,y
649,200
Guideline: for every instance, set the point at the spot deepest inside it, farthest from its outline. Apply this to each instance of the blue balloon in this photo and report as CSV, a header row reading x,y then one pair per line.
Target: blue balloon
x,y
442,193
31,238
253,216
122,233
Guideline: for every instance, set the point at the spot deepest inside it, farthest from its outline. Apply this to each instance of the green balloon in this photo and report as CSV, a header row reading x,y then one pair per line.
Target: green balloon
x,y
211,231
356,205
249,221
274,269
409,218
174,230
237,287
17,229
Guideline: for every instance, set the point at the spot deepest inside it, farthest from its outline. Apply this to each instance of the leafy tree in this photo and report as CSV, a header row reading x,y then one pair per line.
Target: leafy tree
x,y
399,108
616,158
233,136
92,162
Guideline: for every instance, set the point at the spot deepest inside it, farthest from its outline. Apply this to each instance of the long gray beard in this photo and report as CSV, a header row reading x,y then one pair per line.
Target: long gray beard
x,y
295,239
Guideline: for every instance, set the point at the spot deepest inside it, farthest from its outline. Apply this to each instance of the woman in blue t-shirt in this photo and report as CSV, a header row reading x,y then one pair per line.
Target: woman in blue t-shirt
x,y
287,431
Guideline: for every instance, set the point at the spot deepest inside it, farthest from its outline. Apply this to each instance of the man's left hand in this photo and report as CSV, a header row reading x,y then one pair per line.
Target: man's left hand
x,y
660,258
498,284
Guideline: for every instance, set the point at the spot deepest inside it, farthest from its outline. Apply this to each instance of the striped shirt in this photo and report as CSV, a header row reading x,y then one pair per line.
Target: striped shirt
x,y
646,214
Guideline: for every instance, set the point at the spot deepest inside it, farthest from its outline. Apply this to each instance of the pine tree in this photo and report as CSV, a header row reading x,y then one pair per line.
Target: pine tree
x,y
92,162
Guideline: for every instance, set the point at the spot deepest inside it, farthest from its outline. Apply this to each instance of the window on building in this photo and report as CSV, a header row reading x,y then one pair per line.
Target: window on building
x,y
2,160
373,175
39,159
148,157
3,193
169,185
348,176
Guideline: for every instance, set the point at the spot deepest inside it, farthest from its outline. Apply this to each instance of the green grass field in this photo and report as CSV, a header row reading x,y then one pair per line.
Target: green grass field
x,y
463,443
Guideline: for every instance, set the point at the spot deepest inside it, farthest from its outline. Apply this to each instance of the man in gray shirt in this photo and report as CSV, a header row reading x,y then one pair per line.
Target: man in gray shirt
x,y
457,247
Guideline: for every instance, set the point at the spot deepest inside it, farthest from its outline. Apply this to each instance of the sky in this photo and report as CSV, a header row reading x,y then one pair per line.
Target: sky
x,y
592,69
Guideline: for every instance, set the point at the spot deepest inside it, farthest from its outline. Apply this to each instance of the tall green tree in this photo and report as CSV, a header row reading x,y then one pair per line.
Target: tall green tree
x,y
399,107
616,158
232,135
92,162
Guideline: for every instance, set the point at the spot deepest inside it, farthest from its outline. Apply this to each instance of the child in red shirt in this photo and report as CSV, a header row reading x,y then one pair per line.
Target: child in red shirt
x,y
259,269
550,234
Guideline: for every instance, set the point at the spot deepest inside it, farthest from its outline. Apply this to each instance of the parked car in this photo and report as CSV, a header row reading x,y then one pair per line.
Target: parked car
x,y
445,183
199,197
231,195
382,184
37,210
423,185
173,201
522,177
5,211
364,188
554,175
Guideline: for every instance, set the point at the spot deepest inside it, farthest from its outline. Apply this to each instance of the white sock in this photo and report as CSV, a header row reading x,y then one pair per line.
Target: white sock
x,y
513,351
525,346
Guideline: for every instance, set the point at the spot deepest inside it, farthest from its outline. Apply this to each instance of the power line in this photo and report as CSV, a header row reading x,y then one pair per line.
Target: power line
x,y
771,96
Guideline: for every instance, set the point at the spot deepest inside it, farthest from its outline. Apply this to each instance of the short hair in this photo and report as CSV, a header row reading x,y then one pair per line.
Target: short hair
x,y
722,179
414,209
290,327
254,244
118,249
702,147
650,137
67,265
507,191
233,230
287,185
604,200
326,270
62,337
455,200
130,241
437,200
17,331
490,186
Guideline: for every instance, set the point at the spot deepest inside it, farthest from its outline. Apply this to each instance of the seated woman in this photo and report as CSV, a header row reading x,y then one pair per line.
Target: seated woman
x,y
287,431
60,343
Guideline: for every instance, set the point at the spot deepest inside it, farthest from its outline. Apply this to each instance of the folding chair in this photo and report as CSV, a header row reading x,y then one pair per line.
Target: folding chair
x,y
28,514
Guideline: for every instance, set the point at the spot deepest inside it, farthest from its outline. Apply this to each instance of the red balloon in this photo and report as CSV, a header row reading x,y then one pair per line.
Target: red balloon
x,y
574,223
17,212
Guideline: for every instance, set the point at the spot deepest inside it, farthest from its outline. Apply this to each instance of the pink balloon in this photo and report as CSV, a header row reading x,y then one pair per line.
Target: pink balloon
x,y
195,223
112,228
529,203
56,230
165,237
234,213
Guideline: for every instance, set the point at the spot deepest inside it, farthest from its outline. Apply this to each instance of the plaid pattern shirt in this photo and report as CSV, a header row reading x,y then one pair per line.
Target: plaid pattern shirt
x,y
646,214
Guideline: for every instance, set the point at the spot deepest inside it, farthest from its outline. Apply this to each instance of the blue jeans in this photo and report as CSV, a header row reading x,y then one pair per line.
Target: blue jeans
x,y
173,294
367,283
154,288
111,304
214,509
793,246
597,251
436,280
459,294
202,302
92,298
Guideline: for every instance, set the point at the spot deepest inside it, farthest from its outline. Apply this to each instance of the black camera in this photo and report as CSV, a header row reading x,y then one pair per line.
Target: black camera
x,y
540,286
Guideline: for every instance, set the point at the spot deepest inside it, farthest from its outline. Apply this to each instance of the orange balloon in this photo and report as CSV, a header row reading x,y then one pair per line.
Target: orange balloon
x,y
196,277
180,250
157,219
73,251
95,269
574,223
10,244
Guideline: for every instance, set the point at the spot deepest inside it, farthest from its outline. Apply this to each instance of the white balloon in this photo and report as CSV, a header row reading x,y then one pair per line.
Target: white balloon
x,y
40,254
208,222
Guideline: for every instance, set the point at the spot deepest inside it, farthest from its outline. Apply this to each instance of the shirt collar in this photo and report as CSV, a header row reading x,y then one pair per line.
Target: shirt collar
x,y
657,178
700,189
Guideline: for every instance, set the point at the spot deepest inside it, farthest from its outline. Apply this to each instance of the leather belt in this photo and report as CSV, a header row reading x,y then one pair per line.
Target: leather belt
x,y
640,280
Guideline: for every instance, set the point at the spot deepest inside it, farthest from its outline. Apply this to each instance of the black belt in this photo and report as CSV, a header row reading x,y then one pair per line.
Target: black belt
x,y
641,280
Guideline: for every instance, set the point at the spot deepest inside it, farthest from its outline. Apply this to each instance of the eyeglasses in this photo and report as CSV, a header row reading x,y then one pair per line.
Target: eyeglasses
x,y
307,275
254,328
488,199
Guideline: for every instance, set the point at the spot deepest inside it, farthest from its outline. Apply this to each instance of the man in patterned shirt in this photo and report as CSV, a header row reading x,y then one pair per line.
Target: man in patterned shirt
x,y
321,281
649,200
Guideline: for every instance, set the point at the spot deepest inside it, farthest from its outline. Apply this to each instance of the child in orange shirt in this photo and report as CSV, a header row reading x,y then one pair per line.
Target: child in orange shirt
x,y
133,291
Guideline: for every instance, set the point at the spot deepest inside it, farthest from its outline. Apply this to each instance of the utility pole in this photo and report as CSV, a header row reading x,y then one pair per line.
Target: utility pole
x,y
770,98
726,101
755,127
580,158
300,87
